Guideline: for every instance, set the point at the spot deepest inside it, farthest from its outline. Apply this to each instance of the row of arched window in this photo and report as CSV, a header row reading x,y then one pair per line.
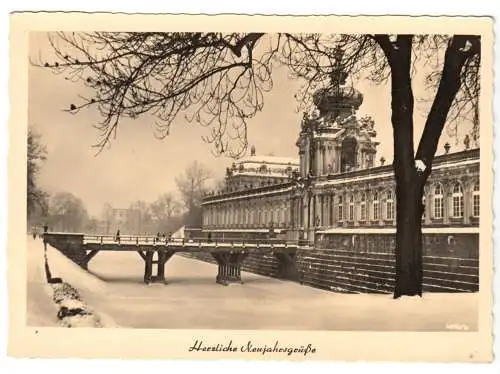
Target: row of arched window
x,y
456,200
381,205
376,206
349,210
249,216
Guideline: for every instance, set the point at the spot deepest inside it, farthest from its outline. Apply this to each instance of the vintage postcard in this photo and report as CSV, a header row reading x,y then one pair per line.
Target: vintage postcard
x,y
251,187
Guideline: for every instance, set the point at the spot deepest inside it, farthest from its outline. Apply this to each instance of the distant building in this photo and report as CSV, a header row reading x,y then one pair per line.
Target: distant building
x,y
118,219
257,171
335,187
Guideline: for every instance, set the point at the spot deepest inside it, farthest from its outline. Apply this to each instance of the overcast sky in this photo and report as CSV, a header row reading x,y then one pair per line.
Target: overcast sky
x,y
138,166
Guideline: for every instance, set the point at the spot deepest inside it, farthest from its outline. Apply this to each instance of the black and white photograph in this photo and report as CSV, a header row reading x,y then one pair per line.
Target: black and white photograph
x,y
307,181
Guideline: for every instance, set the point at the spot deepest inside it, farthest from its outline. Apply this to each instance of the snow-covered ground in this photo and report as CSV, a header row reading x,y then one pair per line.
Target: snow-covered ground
x,y
41,310
192,300
57,303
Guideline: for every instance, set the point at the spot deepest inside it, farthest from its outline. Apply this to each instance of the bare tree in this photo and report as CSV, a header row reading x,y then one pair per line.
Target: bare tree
x,y
193,184
218,80
107,216
92,225
163,209
139,219
37,199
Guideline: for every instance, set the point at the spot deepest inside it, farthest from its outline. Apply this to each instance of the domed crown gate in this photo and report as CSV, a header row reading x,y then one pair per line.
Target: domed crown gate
x,y
333,140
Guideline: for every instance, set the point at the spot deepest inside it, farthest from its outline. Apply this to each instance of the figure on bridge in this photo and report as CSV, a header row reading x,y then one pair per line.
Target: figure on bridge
x,y
117,237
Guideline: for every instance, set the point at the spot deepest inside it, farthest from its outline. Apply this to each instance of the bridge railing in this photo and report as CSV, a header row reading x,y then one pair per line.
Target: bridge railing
x,y
153,240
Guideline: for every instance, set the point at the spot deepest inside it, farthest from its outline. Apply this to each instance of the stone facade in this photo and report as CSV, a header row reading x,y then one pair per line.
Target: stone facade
x,y
355,199
335,184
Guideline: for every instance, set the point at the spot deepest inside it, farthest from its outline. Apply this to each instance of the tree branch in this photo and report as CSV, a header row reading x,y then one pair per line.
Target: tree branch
x,y
248,39
460,49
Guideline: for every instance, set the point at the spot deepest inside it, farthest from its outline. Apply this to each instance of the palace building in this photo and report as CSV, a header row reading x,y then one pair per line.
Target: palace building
x,y
336,186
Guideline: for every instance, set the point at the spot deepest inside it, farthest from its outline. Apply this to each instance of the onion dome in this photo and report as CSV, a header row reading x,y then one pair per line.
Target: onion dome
x,y
337,99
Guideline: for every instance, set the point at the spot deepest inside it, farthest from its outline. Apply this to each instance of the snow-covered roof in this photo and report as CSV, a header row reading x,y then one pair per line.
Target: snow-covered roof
x,y
243,230
248,195
328,135
252,173
274,160
345,180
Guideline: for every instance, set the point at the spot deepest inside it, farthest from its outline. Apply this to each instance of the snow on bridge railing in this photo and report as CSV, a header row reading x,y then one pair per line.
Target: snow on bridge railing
x,y
188,242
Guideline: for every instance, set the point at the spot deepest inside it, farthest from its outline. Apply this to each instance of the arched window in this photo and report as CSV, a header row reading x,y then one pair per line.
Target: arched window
x,y
351,208
457,201
475,200
348,154
375,207
389,206
438,202
321,209
331,209
340,209
363,207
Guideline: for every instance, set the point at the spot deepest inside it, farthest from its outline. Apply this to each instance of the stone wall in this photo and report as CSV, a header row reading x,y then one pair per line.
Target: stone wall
x,y
442,245
346,271
450,264
70,245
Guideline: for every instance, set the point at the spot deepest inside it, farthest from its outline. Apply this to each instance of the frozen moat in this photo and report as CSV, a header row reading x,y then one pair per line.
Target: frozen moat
x,y
192,300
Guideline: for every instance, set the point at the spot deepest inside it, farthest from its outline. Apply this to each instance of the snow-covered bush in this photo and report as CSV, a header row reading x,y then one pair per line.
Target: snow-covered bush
x,y
72,311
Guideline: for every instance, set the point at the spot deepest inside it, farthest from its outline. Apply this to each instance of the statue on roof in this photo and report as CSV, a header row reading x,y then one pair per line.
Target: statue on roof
x,y
367,123
252,151
338,75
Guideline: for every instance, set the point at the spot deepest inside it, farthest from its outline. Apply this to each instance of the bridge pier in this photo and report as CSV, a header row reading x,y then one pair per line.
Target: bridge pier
x,y
229,266
163,257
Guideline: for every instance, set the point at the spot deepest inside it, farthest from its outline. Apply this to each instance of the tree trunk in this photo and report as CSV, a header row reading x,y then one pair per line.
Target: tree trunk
x,y
409,209
409,184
